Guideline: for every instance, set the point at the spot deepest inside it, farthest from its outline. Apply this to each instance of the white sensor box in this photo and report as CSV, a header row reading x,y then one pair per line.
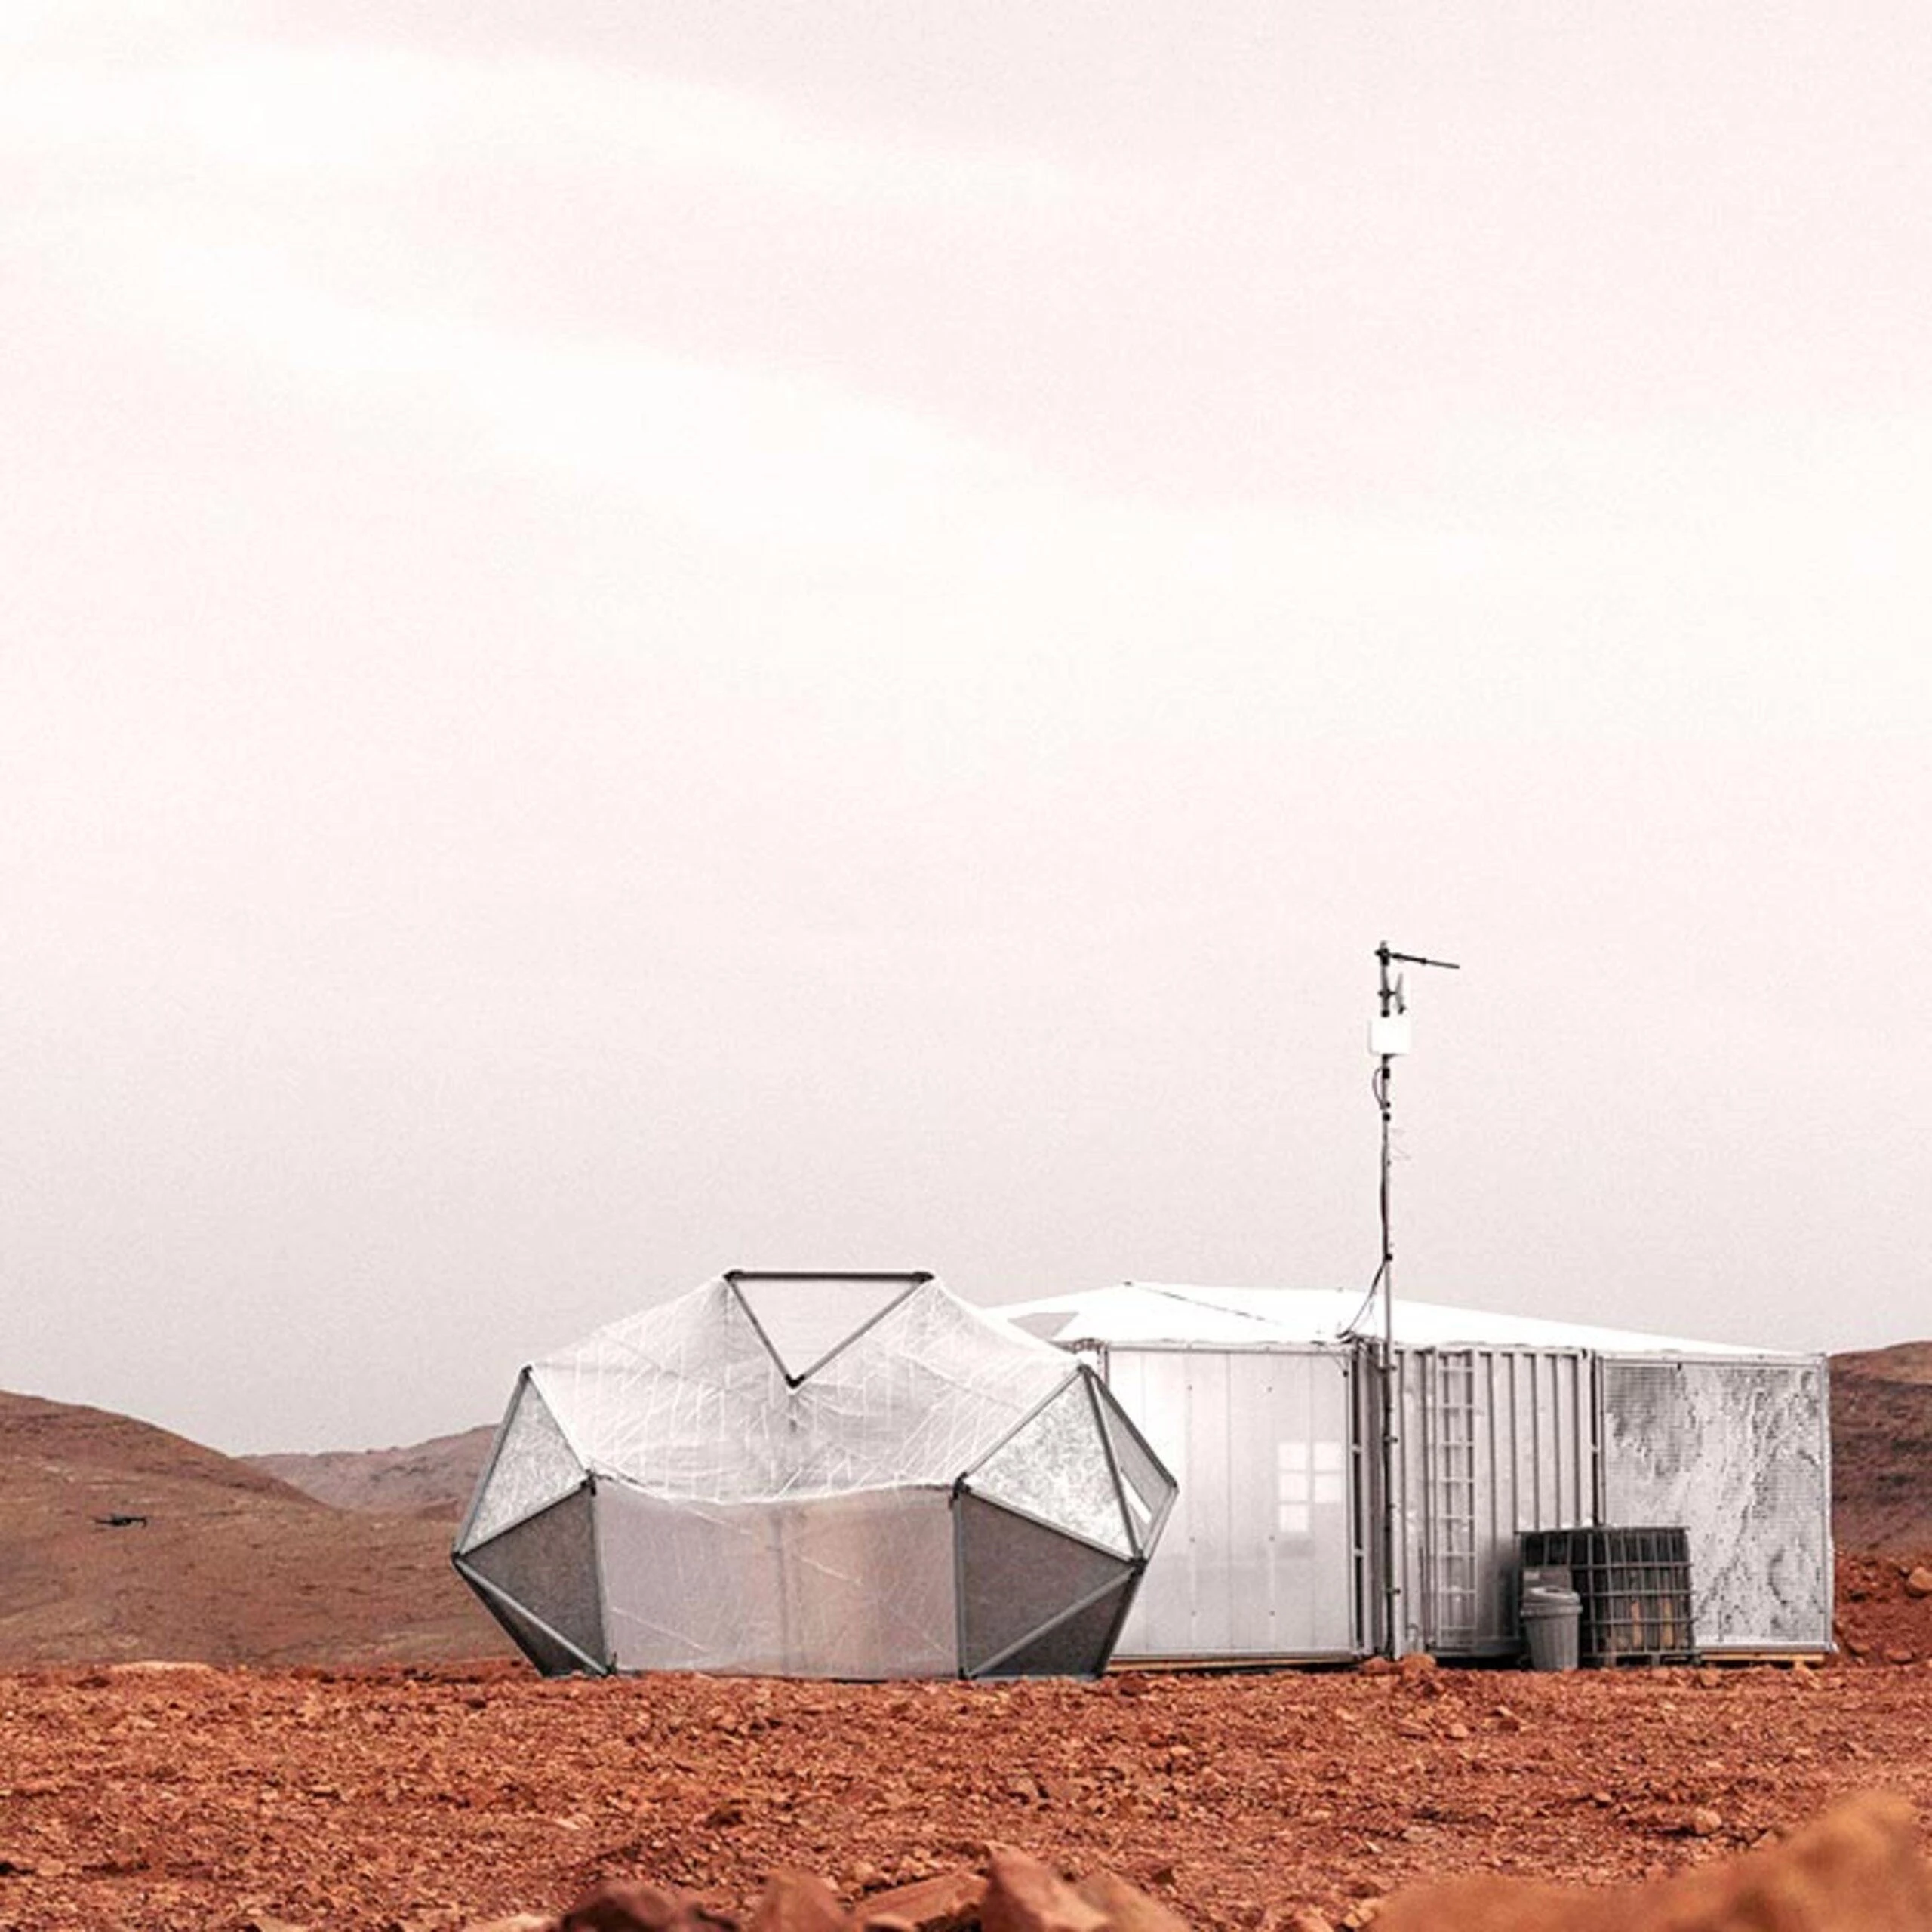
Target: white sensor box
x,y
1389,1035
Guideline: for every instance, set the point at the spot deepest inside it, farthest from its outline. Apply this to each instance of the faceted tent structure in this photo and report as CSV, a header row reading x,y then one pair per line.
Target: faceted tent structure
x,y
852,1475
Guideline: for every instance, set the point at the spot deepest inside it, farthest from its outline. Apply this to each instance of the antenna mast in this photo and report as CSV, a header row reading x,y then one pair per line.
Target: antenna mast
x,y
1389,1036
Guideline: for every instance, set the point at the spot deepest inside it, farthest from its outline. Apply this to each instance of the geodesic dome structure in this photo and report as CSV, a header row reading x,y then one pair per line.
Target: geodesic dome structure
x,y
852,1475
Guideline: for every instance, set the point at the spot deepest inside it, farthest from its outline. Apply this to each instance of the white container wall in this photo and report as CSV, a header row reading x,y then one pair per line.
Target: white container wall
x,y
1258,1559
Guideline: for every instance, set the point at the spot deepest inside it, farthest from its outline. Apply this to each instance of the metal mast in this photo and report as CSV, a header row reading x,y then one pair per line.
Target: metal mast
x,y
1388,1037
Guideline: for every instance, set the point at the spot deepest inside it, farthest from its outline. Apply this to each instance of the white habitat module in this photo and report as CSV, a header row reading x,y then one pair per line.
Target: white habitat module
x,y
1267,1404
851,1476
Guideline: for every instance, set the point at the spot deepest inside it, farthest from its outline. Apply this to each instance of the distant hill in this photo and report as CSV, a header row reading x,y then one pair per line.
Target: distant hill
x,y
119,1540
432,1478
1881,1449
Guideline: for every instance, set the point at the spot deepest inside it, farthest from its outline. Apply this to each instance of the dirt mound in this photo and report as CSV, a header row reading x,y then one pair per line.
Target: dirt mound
x,y
124,1541
1884,1609
1881,1449
1856,1869
436,1478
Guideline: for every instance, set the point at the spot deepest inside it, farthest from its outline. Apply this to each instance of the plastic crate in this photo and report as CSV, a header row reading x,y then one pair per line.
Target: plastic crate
x,y
1635,1588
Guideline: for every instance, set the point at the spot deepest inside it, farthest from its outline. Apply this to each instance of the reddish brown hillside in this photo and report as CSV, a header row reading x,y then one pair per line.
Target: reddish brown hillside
x,y
1904,1361
435,1478
1881,1449
120,1540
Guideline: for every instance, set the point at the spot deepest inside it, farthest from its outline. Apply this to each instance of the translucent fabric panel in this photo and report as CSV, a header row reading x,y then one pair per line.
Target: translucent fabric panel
x,y
1077,1646
1055,1466
1146,1488
805,1318
919,1397
533,1465
870,1586
684,1398
690,1586
539,1645
1737,1454
858,1586
547,1565
1016,1578
687,1400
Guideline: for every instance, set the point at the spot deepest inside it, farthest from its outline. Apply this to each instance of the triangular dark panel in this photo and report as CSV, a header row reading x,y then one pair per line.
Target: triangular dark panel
x,y
547,1563
552,1658
1077,1646
1016,1578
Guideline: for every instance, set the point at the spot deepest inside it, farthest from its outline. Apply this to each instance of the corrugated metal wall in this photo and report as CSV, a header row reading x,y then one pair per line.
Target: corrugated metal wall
x,y
1492,1441
1739,1452
1258,1559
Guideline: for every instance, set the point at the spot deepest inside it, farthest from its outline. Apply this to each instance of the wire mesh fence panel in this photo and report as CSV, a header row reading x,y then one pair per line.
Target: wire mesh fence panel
x,y
1736,1453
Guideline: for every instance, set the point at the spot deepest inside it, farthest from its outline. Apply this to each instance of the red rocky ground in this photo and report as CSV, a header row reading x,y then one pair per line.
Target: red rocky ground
x,y
132,1798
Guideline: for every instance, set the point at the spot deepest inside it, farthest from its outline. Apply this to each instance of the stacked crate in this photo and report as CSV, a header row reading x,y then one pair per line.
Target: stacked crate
x,y
1635,1588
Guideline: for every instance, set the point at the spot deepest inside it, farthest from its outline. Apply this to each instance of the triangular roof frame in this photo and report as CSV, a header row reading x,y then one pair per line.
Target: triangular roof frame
x,y
914,1280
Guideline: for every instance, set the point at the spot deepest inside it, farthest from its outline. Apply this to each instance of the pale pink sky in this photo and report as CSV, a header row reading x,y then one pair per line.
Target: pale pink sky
x,y
638,639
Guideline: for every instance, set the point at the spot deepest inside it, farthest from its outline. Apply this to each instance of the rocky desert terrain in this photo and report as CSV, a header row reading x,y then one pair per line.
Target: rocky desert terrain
x,y
227,1703
419,1800
118,1540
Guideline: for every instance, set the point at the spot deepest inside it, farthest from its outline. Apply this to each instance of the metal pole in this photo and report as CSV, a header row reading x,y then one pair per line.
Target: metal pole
x,y
1391,1587
1390,1001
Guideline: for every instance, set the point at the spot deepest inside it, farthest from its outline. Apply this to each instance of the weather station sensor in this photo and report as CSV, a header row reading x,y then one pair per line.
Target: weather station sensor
x,y
1390,1035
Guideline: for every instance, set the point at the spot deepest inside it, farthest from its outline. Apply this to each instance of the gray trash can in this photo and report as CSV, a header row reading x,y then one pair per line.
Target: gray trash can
x,y
1550,1618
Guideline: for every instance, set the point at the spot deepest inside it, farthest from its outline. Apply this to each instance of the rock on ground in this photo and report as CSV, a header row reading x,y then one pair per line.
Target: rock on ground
x,y
1856,1869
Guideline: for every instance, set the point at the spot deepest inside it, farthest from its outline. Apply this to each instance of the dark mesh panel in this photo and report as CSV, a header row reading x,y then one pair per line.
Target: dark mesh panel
x,y
552,1658
1017,1578
1077,1646
548,1564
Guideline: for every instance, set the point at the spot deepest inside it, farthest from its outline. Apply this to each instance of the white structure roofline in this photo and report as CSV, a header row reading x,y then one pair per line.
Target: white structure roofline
x,y
1183,1313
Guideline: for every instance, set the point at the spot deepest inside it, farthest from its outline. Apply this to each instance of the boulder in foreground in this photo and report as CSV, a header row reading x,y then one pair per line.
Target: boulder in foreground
x,y
1856,1868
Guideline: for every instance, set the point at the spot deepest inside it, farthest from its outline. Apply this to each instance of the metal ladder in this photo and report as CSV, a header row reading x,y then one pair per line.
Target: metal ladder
x,y
1450,1551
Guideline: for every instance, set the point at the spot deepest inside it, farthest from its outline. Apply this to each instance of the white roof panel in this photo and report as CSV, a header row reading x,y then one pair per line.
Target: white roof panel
x,y
1222,1317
